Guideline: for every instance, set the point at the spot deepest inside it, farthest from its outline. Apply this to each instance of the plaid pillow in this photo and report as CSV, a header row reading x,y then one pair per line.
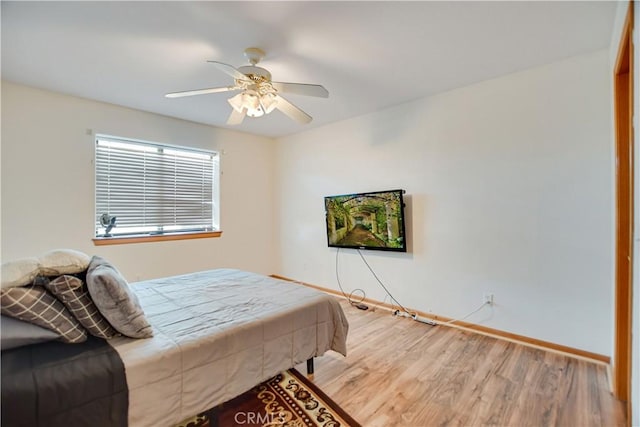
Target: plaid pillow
x,y
72,292
35,305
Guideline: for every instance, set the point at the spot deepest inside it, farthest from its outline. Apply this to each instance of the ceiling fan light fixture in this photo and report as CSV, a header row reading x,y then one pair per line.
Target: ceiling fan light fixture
x,y
251,101
237,102
269,102
255,112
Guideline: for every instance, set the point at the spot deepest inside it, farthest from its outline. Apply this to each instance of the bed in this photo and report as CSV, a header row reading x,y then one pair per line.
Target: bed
x,y
216,334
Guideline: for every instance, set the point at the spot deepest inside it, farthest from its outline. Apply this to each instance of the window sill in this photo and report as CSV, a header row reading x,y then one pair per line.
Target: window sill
x,y
101,241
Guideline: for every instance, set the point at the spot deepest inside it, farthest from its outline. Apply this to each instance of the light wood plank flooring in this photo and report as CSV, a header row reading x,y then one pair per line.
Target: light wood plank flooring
x,y
399,372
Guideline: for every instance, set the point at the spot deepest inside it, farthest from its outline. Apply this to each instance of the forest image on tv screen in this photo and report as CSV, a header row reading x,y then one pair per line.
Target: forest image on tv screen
x,y
368,220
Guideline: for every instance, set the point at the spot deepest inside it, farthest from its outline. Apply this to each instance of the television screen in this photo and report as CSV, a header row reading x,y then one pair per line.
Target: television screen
x,y
366,221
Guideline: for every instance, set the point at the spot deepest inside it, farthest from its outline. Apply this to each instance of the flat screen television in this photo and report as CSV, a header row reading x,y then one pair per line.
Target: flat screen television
x,y
372,220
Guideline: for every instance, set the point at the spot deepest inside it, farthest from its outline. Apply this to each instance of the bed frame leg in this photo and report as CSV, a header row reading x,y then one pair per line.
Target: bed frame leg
x,y
310,369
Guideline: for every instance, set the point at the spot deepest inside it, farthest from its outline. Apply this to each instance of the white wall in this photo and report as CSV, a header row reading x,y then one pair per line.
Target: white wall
x,y
509,184
48,185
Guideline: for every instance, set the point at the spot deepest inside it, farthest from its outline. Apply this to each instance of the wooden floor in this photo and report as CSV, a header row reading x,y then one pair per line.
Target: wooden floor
x,y
399,372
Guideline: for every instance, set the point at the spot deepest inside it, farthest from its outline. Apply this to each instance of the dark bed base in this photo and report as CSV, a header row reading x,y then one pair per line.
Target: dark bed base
x,y
54,384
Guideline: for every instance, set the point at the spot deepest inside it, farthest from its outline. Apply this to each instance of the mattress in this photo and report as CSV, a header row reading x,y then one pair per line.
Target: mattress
x,y
217,334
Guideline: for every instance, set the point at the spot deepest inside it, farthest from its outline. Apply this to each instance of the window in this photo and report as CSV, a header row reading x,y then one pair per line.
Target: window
x,y
148,189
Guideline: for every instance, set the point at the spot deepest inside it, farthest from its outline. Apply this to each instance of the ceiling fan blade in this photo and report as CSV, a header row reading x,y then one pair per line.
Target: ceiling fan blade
x,y
230,69
292,111
200,91
301,89
236,118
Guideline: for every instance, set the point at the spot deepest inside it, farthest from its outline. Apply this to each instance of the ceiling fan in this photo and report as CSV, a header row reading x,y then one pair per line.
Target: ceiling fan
x,y
259,95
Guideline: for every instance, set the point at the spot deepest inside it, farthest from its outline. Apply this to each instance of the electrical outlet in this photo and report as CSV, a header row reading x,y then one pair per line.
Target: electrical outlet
x,y
487,298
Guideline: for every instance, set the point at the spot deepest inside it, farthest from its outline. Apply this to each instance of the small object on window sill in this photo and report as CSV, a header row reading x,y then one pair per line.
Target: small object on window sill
x,y
108,222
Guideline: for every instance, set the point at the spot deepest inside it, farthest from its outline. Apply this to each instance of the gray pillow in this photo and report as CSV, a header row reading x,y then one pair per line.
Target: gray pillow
x,y
19,272
16,333
63,261
23,271
115,299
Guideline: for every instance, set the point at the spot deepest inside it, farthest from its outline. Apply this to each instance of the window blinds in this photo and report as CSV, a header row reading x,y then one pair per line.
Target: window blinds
x,y
154,189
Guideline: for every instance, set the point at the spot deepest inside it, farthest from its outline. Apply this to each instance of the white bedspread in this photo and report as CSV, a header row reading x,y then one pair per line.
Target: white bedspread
x,y
217,334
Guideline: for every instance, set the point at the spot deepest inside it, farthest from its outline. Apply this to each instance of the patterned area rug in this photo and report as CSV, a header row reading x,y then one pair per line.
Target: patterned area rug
x,y
287,400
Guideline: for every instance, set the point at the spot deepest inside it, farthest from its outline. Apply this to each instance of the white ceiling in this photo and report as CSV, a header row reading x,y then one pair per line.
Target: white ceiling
x,y
369,55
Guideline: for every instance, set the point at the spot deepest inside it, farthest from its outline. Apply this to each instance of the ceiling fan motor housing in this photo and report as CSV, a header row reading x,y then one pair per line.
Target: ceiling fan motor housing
x,y
257,74
254,55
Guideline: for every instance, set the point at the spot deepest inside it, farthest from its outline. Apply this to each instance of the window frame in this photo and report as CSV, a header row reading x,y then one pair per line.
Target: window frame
x,y
160,234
